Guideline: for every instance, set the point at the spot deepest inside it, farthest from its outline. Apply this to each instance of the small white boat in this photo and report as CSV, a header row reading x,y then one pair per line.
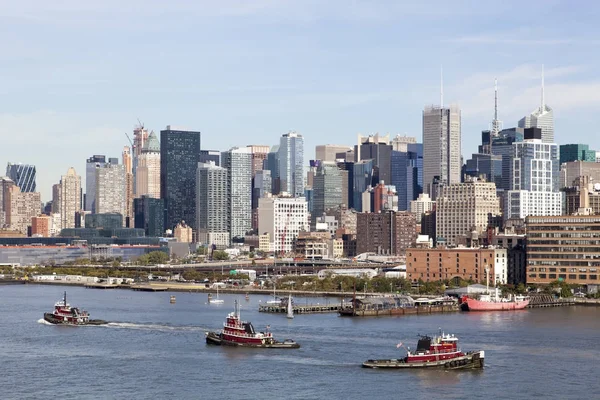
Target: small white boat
x,y
290,308
217,300
275,299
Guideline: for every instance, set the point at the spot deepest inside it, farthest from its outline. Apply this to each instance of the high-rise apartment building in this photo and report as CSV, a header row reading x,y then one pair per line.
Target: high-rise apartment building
x,y
129,189
238,163
92,164
180,152
20,208
441,147
140,137
534,175
212,205
462,208
291,164
56,198
40,226
70,198
423,204
386,233
111,190
23,175
5,184
282,219
147,179
329,152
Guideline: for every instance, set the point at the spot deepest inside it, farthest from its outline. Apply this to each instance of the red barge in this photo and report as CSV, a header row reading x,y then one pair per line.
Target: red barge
x,y
441,352
64,314
241,333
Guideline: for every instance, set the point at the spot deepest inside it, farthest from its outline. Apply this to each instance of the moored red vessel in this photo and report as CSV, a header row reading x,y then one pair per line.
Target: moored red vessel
x,y
236,332
433,352
488,302
64,314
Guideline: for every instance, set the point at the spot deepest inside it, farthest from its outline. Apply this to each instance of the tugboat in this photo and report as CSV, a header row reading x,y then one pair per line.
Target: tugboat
x,y
64,314
240,333
440,352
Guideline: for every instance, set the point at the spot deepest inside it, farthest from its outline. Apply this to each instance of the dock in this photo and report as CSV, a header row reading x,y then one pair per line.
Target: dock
x,y
301,309
100,286
547,300
148,288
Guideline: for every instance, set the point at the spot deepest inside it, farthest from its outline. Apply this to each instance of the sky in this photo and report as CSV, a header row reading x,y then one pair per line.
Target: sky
x,y
76,75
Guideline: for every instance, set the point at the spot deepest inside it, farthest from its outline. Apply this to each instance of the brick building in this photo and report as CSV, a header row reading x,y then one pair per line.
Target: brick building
x,y
385,233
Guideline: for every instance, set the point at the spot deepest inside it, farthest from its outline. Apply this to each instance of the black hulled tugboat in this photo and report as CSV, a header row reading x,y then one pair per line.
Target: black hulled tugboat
x,y
64,314
433,352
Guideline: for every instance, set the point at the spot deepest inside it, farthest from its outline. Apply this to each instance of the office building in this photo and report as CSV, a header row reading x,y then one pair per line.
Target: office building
x,y
464,208
92,163
407,173
542,118
272,164
23,175
180,152
69,199
501,145
149,215
576,152
571,171
362,180
330,188
329,152
563,248
441,147
207,156
378,149
238,163
291,164
212,205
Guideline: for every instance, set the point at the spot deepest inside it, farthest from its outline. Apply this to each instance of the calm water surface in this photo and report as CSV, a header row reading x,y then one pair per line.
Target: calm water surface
x,y
156,350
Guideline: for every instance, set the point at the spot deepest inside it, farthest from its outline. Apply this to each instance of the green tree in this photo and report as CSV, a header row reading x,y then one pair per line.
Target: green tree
x,y
201,251
220,255
157,257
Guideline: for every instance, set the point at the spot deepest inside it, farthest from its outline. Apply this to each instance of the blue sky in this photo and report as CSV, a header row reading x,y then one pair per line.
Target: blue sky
x,y
76,75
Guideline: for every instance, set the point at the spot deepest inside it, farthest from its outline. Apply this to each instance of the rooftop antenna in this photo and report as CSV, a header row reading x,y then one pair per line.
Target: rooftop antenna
x,y
441,86
543,100
496,124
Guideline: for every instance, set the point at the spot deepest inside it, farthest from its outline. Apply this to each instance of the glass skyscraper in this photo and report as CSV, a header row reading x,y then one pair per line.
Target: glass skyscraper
x,y
23,175
291,164
238,162
180,154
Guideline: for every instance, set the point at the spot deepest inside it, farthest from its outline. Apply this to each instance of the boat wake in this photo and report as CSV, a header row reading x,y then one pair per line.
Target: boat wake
x,y
154,327
43,322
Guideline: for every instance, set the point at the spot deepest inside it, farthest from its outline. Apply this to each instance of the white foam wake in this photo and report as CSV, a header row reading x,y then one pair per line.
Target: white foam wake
x,y
153,327
43,322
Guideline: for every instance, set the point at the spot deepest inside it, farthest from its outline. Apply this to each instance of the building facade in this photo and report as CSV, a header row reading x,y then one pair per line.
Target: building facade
x,y
291,164
23,175
180,152
149,215
441,147
211,203
238,163
21,208
282,219
330,188
70,198
386,233
421,205
111,190
563,248
453,264
463,208
147,177
379,150
328,152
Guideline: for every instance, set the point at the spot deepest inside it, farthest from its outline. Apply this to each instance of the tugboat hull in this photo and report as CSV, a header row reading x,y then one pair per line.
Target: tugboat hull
x,y
217,339
471,360
51,318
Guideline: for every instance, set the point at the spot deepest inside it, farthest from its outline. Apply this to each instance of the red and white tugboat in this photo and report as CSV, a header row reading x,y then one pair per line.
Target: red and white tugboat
x,y
433,352
64,314
240,333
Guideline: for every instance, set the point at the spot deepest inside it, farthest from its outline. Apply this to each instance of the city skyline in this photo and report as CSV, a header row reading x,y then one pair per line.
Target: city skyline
x,y
73,82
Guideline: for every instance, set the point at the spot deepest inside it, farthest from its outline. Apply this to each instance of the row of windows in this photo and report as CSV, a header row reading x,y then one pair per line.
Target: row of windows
x,y
581,277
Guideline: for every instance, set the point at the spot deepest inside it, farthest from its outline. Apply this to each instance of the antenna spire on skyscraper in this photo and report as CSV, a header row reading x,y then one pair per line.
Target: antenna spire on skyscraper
x,y
543,100
441,86
496,124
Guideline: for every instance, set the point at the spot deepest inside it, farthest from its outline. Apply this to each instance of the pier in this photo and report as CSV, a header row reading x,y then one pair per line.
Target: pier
x,y
548,300
148,288
301,309
101,286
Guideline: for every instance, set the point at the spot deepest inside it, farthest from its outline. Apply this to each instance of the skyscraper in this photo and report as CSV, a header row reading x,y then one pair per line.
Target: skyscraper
x,y
111,190
328,152
149,215
20,208
211,205
378,149
407,173
180,152
238,162
534,176
291,164
23,175
441,146
92,163
329,189
272,164
207,156
259,157
128,165
70,198
542,117
148,169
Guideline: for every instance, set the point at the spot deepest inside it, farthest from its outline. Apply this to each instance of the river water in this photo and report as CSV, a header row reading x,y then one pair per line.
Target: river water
x,y
156,350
